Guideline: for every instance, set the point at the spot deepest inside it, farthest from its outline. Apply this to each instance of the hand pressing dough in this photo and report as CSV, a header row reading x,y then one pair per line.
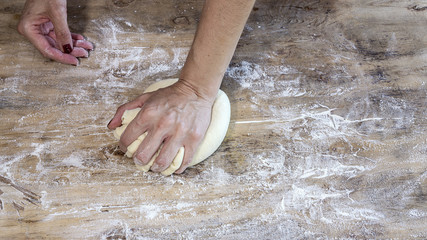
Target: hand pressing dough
x,y
214,135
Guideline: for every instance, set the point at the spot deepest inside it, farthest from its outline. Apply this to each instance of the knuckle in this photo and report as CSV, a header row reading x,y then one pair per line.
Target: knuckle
x,y
166,121
142,97
21,28
139,122
195,135
182,130
121,108
58,8
182,126
62,33
148,112
46,53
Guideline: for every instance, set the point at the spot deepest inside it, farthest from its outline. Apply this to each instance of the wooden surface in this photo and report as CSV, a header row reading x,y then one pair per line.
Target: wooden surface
x,y
327,137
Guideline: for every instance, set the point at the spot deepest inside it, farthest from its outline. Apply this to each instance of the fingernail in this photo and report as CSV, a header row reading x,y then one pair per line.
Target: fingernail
x,y
67,48
122,148
155,168
139,158
137,161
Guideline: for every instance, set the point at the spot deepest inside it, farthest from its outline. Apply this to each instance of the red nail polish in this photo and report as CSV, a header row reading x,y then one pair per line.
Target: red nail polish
x,y
67,48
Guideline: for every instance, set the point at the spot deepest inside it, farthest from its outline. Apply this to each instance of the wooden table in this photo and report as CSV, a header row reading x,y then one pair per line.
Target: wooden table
x,y
327,135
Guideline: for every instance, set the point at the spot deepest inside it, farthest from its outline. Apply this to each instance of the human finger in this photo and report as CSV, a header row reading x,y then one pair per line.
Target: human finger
x,y
149,146
51,41
46,28
167,154
58,17
44,45
191,143
83,44
116,121
188,157
133,130
61,57
77,36
192,140
79,52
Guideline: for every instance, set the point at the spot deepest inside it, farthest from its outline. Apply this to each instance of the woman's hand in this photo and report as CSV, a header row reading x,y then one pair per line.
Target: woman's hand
x,y
175,116
44,24
179,115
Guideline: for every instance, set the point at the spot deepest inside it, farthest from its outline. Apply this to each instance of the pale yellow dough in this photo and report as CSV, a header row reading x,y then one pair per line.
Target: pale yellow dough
x,y
212,140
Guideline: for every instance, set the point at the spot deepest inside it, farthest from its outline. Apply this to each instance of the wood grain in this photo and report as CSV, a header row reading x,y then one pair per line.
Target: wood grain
x,y
327,137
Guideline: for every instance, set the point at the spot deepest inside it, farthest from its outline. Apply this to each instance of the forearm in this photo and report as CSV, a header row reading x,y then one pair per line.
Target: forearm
x,y
219,30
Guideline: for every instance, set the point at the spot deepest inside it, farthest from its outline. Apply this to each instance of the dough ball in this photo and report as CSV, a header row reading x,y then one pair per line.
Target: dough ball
x,y
215,133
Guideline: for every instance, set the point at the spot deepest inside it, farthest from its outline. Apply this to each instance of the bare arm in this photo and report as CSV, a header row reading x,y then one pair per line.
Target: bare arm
x,y
179,115
219,30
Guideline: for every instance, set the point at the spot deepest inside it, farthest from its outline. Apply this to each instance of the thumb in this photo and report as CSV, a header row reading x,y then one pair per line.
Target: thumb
x,y
58,17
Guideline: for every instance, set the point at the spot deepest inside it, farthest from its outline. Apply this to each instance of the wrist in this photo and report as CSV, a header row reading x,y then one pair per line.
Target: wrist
x,y
204,79
200,89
